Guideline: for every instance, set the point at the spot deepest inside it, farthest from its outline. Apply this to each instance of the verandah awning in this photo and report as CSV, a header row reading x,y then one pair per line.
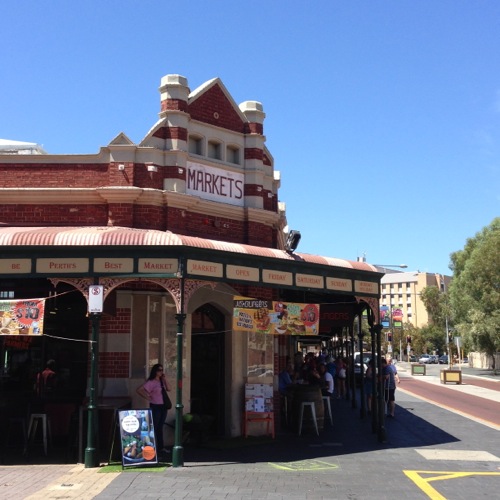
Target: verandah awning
x,y
121,251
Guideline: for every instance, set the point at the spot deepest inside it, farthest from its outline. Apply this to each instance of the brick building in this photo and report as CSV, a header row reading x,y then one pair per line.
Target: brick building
x,y
178,224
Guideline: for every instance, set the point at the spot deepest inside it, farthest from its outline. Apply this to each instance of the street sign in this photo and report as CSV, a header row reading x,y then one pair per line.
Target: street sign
x,y
96,293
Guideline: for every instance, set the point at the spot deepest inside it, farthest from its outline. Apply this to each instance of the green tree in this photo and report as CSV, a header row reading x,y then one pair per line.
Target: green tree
x,y
475,290
432,339
436,303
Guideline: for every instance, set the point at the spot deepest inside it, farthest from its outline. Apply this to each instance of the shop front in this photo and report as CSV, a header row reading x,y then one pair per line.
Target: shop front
x,y
150,279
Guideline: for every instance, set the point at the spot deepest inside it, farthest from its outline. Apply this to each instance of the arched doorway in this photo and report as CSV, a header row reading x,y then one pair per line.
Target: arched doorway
x,y
207,366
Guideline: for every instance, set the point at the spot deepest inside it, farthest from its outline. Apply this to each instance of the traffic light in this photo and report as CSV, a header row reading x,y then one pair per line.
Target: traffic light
x,y
408,339
389,336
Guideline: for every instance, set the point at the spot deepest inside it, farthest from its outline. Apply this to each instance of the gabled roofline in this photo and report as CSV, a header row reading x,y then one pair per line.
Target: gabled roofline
x,y
204,87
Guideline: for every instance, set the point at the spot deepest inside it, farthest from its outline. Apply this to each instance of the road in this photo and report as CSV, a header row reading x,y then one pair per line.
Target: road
x,y
443,444
476,397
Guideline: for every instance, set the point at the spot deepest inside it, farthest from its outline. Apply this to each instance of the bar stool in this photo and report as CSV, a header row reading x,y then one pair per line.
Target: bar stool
x,y
311,405
33,426
326,401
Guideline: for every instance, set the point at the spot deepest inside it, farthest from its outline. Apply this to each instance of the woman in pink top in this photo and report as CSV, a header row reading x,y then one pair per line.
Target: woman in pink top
x,y
152,391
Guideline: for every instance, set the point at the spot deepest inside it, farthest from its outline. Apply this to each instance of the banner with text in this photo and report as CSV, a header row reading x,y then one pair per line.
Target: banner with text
x,y
137,434
22,316
397,318
276,318
385,317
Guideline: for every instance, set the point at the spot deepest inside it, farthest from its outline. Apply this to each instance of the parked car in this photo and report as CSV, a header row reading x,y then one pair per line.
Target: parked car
x,y
443,360
413,358
424,358
367,356
433,359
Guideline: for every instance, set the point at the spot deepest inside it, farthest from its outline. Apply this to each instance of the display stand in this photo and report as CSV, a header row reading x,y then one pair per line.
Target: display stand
x,y
137,443
259,417
258,408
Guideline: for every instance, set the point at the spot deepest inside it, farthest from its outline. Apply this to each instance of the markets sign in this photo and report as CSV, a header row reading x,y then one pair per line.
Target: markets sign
x,y
275,318
22,317
215,184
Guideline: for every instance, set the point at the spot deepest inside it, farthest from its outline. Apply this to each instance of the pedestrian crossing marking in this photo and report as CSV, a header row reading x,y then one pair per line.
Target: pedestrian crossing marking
x,y
418,477
470,455
304,465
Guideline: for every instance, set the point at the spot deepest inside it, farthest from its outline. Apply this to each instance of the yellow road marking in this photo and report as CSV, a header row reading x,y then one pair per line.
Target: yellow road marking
x,y
423,482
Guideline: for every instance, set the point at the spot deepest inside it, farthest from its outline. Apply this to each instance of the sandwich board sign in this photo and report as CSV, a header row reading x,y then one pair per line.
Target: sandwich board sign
x,y
137,438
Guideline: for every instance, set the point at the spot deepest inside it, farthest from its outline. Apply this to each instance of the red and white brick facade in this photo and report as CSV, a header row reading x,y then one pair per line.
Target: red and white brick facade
x,y
202,170
143,185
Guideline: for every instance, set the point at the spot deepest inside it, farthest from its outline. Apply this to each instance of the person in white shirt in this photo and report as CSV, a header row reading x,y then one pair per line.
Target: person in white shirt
x,y
327,380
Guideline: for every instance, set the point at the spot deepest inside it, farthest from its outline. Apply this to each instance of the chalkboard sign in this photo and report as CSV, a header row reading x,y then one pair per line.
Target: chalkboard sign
x,y
137,438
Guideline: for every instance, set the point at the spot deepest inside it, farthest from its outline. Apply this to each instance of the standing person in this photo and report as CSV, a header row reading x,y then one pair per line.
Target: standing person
x,y
46,381
331,367
341,378
152,391
298,364
369,386
391,377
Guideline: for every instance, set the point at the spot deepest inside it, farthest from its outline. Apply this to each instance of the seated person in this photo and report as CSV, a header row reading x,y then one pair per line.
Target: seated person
x,y
285,379
326,381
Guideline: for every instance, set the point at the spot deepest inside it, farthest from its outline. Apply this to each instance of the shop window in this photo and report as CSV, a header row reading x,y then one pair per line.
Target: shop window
x,y
153,320
214,150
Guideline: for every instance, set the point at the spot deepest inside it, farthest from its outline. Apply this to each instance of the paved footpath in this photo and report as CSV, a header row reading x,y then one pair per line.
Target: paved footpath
x,y
429,451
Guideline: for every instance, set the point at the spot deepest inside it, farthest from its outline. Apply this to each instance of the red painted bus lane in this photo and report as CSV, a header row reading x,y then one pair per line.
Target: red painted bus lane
x,y
477,407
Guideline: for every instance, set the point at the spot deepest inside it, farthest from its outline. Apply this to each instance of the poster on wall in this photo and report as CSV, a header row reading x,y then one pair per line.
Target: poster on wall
x,y
137,438
274,317
22,316
259,398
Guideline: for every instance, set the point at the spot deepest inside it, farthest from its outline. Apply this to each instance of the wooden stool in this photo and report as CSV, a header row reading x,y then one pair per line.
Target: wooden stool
x,y
326,400
309,404
32,428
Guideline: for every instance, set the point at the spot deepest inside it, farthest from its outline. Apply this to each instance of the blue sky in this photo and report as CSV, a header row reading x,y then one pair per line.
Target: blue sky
x,y
383,117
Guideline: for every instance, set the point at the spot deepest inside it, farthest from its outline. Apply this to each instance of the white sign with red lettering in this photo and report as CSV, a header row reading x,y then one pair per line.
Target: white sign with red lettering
x,y
215,184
